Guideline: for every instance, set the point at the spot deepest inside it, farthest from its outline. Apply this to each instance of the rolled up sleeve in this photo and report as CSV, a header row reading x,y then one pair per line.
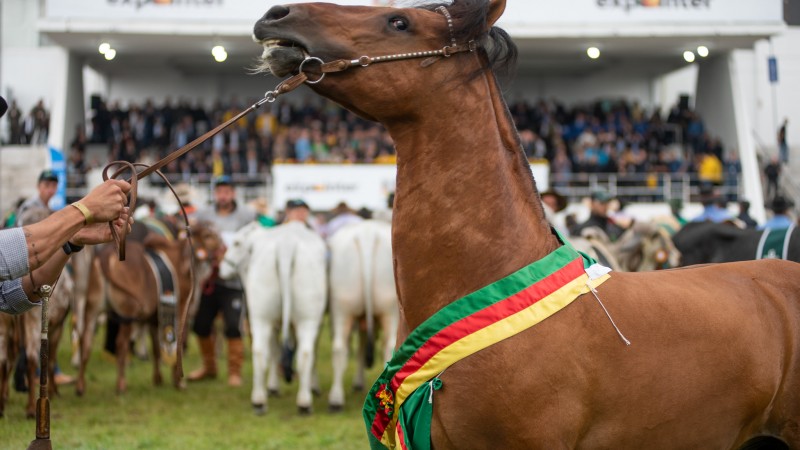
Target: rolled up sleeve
x,y
13,299
13,254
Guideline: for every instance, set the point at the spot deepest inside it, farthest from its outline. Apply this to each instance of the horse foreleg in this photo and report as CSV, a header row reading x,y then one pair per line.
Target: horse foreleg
x,y
95,297
341,325
55,338
262,335
306,340
33,364
153,329
123,344
5,370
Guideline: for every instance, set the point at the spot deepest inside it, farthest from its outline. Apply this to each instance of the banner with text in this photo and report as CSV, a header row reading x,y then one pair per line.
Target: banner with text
x,y
360,186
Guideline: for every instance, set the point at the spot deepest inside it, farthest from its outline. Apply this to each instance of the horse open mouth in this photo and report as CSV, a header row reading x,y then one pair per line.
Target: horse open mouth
x,y
281,57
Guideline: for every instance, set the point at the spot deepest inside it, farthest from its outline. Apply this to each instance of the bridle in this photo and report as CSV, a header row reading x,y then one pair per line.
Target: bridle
x,y
341,65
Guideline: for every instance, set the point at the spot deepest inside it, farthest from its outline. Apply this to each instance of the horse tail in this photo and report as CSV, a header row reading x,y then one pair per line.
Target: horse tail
x,y
286,257
366,243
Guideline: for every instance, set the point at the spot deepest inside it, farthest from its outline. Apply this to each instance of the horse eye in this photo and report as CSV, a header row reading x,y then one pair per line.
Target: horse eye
x,y
399,23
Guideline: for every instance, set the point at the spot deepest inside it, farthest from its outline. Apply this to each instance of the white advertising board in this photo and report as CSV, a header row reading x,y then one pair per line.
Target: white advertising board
x,y
518,12
324,186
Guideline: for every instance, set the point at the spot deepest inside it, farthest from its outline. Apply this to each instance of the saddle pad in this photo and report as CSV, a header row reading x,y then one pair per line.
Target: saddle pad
x,y
167,305
774,243
397,410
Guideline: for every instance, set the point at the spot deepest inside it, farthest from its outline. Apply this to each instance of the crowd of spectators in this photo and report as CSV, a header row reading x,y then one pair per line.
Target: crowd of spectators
x,y
601,137
31,128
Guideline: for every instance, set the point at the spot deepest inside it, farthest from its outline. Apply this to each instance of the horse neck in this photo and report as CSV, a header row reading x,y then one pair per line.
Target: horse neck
x,y
467,212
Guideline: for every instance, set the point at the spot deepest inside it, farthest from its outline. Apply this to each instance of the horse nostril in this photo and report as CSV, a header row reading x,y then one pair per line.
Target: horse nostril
x,y
277,12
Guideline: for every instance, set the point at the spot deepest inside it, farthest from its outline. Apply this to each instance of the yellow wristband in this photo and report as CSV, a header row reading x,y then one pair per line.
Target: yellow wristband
x,y
87,215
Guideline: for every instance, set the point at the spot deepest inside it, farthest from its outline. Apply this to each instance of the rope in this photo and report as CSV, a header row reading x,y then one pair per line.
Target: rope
x,y
594,292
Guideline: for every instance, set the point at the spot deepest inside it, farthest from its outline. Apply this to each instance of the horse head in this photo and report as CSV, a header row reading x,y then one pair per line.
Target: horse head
x,y
207,247
356,36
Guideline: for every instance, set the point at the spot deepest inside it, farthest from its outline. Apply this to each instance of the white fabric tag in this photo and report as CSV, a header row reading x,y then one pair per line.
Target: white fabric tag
x,y
597,270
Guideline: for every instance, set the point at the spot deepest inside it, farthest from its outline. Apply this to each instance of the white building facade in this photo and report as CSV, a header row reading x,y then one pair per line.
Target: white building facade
x,y
49,50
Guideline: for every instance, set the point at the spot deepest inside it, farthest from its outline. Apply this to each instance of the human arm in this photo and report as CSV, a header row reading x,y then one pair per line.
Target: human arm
x,y
49,272
13,299
104,203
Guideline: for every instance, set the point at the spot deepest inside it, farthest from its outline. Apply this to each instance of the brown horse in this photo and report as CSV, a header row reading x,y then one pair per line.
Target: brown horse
x,y
714,360
131,287
24,332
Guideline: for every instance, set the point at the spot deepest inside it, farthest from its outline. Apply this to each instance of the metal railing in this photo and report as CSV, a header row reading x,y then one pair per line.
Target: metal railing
x,y
628,188
641,187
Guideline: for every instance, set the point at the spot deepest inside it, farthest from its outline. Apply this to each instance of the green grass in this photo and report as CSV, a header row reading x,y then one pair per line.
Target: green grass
x,y
207,415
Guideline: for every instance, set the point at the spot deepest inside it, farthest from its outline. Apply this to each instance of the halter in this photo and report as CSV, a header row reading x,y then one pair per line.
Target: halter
x,y
340,65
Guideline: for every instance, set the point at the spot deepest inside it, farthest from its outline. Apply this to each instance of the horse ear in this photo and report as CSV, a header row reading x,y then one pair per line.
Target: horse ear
x,y
496,8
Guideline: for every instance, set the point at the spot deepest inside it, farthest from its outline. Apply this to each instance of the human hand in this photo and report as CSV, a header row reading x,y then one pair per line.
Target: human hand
x,y
99,233
107,201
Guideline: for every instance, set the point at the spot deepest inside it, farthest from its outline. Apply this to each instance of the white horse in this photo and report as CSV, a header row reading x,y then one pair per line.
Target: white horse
x,y
285,285
361,286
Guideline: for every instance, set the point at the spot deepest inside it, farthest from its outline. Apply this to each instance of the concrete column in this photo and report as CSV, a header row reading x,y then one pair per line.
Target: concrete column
x,y
722,99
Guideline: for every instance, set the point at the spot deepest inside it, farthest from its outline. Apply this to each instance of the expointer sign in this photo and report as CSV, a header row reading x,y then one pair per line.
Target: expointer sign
x,y
628,5
519,14
164,3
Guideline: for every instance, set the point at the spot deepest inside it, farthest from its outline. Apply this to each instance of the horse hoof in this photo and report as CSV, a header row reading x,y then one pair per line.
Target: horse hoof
x,y
316,391
30,415
304,410
259,409
358,388
335,408
274,393
79,392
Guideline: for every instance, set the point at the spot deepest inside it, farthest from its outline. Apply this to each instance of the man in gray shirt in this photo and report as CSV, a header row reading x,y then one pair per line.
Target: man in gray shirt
x,y
226,296
46,188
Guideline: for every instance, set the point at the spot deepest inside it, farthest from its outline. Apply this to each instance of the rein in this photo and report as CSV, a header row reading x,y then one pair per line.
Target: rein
x,y
288,85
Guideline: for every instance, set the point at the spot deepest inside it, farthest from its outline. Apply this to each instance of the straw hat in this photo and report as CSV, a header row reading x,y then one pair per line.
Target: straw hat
x,y
185,193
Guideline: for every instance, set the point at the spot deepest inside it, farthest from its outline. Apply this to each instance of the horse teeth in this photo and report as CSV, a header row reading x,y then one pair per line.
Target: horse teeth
x,y
271,43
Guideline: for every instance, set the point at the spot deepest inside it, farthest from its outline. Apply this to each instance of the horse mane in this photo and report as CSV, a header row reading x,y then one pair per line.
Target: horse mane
x,y
469,22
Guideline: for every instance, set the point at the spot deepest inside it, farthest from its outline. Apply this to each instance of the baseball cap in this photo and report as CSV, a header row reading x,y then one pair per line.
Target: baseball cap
x,y
48,175
222,180
601,196
296,203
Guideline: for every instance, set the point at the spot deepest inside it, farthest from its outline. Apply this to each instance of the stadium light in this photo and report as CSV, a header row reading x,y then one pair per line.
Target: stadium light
x,y
104,47
110,54
688,56
219,53
593,52
702,51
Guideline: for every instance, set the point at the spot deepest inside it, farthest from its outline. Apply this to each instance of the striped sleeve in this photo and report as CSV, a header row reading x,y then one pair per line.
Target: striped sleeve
x,y
13,254
13,299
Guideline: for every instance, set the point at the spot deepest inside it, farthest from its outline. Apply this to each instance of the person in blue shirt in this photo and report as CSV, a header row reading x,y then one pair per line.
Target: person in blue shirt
x,y
713,211
780,214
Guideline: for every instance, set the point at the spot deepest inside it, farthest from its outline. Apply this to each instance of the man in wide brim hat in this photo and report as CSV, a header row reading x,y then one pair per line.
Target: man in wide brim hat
x,y
554,200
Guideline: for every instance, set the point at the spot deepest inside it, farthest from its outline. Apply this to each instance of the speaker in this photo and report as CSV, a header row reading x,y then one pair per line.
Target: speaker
x,y
94,101
683,102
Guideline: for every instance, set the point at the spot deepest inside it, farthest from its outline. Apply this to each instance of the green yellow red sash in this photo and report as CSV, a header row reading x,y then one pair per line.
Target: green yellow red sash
x,y
466,326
